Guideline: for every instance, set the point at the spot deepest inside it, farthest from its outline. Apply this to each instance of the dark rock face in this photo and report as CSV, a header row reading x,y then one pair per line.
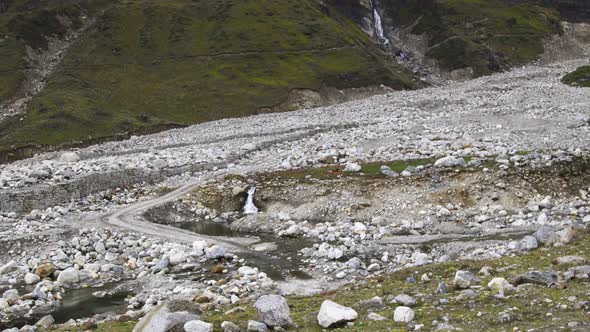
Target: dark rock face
x,y
572,10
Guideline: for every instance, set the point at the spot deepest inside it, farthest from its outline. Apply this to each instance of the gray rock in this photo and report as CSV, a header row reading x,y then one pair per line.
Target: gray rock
x,y
442,288
574,259
465,279
376,317
68,277
545,278
543,233
228,326
162,264
578,272
273,310
374,303
254,326
215,252
45,322
197,326
385,170
10,295
69,157
332,314
403,314
162,320
405,300
450,161
31,278
8,267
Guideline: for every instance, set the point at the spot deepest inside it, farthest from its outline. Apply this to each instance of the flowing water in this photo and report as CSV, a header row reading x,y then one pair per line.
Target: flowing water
x,y
249,207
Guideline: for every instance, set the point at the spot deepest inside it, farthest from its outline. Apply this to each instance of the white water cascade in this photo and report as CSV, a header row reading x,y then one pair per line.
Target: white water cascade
x,y
378,25
249,207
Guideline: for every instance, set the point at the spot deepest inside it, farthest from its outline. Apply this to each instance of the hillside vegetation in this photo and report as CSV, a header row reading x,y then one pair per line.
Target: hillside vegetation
x,y
486,35
579,77
149,64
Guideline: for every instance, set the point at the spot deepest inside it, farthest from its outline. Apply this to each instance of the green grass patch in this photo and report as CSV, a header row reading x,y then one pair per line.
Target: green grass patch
x,y
579,77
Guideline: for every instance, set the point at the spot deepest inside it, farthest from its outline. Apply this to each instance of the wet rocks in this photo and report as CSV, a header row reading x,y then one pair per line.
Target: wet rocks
x,y
332,314
465,279
273,310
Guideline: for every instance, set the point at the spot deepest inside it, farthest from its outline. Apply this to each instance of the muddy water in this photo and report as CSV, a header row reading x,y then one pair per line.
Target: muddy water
x,y
280,264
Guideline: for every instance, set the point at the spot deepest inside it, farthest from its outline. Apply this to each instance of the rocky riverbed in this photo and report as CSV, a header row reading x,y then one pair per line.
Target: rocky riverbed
x,y
493,168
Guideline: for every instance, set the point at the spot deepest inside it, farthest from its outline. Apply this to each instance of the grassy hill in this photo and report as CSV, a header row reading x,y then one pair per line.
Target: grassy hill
x,y
148,64
486,35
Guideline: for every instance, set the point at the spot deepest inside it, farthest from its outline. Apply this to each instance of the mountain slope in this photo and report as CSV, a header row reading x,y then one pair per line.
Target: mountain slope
x,y
146,65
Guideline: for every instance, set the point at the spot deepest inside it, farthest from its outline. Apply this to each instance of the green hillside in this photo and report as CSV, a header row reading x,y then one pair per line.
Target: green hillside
x,y
146,64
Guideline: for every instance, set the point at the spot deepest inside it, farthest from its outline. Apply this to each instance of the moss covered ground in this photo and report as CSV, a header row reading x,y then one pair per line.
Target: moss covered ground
x,y
579,77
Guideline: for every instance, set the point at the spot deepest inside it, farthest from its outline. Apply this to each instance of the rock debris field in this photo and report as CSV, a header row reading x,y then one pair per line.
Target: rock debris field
x,y
483,169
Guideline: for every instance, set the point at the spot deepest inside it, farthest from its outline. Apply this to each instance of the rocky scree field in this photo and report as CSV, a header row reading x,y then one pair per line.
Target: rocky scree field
x,y
452,207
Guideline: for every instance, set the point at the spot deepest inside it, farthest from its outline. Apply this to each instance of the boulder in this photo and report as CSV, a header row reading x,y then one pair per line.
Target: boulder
x,y
162,320
545,278
562,237
197,326
45,322
8,267
405,300
403,314
228,326
352,167
273,310
68,276
31,278
465,279
69,157
500,285
332,314
45,270
450,161
215,252
254,326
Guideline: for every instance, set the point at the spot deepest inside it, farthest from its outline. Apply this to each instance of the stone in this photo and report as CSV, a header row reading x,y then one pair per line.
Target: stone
x,y
570,260
45,322
273,310
450,161
562,237
197,326
500,285
374,316
374,267
254,326
10,295
228,326
8,267
31,278
332,314
45,270
442,288
403,315
69,157
177,258
385,170
215,252
465,279
352,167
578,272
162,320
545,278
161,265
405,300
4,304
68,276
528,243
374,303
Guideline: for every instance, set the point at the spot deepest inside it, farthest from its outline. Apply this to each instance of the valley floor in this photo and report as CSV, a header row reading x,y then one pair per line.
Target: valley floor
x,y
373,198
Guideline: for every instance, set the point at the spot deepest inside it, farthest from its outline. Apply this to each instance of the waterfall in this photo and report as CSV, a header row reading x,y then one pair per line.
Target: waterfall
x,y
249,207
378,25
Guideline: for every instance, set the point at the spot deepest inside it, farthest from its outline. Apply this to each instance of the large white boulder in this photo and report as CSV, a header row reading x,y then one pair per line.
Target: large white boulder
x,y
450,161
403,314
332,313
